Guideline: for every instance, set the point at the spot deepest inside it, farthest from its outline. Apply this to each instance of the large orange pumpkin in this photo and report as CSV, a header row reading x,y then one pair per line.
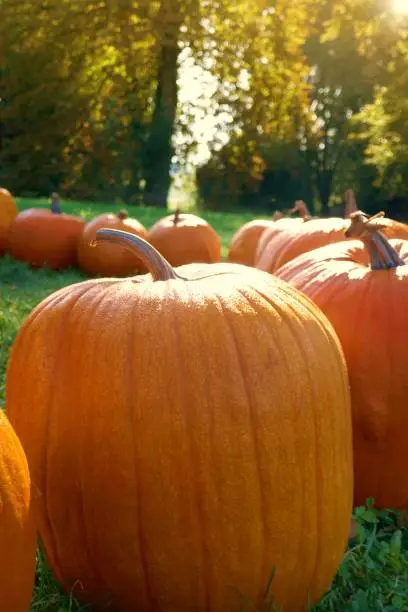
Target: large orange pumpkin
x,y
188,432
40,238
8,212
106,259
362,287
317,233
184,238
245,241
17,527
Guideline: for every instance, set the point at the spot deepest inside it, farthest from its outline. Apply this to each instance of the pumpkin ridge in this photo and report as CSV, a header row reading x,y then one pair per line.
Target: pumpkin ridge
x,y
93,307
251,419
292,332
198,504
38,312
49,413
308,305
305,359
136,469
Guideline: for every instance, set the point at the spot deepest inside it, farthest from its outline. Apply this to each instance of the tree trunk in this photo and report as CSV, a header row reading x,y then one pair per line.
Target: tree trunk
x,y
324,187
159,149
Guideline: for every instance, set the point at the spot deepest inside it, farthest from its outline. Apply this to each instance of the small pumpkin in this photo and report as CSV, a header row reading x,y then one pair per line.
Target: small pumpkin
x,y
43,238
245,241
362,287
184,238
105,259
176,428
8,212
17,527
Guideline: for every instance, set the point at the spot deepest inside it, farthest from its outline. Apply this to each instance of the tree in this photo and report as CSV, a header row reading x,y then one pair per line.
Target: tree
x,y
380,126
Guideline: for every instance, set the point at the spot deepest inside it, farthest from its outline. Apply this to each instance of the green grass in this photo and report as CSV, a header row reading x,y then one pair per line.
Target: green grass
x,y
374,574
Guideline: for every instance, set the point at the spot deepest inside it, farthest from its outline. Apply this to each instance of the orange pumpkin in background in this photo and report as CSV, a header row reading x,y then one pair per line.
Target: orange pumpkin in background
x,y
105,259
317,233
8,212
17,528
280,226
362,287
245,241
43,238
295,241
184,238
193,427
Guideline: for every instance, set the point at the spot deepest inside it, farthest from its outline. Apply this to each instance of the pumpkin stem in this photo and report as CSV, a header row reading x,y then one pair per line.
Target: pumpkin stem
x,y
301,208
382,255
159,268
123,214
350,203
176,217
55,203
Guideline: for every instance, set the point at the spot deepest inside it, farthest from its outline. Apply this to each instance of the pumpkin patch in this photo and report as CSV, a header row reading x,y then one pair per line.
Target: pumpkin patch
x,y
167,441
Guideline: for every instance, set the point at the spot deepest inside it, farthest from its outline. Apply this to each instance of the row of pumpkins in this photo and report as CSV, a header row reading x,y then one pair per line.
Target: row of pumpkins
x,y
190,431
47,237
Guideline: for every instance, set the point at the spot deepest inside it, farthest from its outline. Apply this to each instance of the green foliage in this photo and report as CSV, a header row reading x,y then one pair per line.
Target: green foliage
x,y
89,102
374,574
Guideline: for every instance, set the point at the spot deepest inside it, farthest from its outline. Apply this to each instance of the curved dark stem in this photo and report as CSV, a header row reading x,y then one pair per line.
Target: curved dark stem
x,y
176,217
301,207
159,268
123,214
55,204
382,255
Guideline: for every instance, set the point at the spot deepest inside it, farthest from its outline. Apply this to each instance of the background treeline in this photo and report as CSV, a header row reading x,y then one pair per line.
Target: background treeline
x,y
313,95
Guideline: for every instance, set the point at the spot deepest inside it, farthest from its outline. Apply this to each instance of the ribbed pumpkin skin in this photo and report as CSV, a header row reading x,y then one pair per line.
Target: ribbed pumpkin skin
x,y
245,241
17,530
42,238
280,226
106,259
190,240
309,236
313,235
8,212
186,438
368,309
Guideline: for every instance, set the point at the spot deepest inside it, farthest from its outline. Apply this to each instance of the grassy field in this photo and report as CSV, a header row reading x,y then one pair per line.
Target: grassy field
x,y
374,574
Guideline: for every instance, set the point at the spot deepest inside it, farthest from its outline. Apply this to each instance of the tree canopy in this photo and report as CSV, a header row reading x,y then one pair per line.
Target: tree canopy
x,y
310,98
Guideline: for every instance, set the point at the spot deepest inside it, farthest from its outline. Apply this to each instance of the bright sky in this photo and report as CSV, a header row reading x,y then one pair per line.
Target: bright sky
x,y
400,6
196,89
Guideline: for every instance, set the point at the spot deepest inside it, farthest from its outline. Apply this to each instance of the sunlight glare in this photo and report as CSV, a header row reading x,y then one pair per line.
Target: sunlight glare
x,y
400,6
